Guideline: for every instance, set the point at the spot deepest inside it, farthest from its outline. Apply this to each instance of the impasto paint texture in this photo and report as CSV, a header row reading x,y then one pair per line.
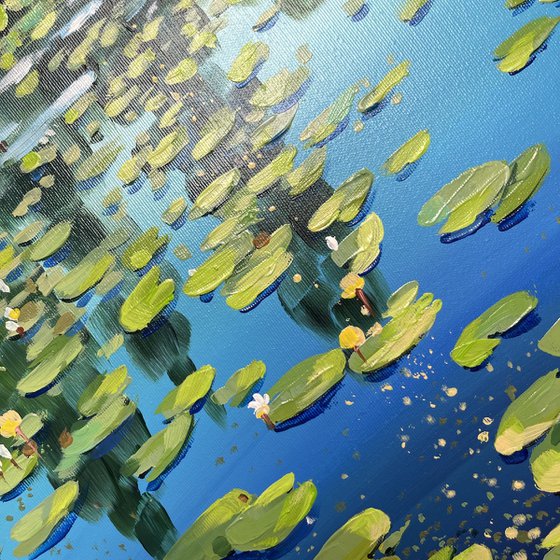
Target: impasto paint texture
x,y
278,279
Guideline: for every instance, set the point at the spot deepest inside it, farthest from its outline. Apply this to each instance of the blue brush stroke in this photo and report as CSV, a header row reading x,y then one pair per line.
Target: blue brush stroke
x,y
523,7
373,264
361,13
160,193
264,294
421,14
157,482
85,298
516,458
58,257
317,408
267,25
14,274
338,130
113,292
290,101
157,258
58,533
407,171
89,184
528,323
253,75
480,222
179,222
136,185
522,213
376,109
111,210
37,174
111,441
207,298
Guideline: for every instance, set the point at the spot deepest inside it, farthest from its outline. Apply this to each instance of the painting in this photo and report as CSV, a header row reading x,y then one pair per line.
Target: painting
x,y
278,279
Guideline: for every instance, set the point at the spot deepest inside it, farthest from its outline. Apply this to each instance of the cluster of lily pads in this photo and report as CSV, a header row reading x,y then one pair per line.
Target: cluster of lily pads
x,y
495,192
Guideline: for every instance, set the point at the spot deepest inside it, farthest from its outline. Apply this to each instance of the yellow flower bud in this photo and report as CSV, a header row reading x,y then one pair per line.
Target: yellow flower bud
x,y
351,337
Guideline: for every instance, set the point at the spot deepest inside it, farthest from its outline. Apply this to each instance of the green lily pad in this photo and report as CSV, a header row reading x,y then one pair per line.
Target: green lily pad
x,y
272,128
545,463
279,87
50,364
88,434
304,384
362,247
32,530
445,553
251,55
232,227
240,384
147,300
185,70
98,162
401,298
550,342
278,167
205,538
552,539
219,267
389,82
243,289
215,194
402,333
168,148
410,152
174,211
12,475
85,275
462,200
216,129
271,518
479,338
120,104
530,415
102,391
194,388
358,538
528,173
308,173
516,52
159,451
411,8
345,203
51,242
320,128
475,552
142,250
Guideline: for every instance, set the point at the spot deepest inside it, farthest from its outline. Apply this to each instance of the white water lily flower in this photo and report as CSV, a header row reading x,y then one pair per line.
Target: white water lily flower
x,y
12,326
4,287
5,452
191,271
332,243
260,404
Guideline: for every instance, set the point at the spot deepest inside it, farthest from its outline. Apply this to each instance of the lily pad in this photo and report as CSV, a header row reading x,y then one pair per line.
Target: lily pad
x,y
184,71
411,9
389,82
462,200
174,211
528,173
240,384
98,162
168,148
345,203
51,242
401,298
215,193
278,167
550,342
518,51
102,391
475,552
362,247
304,384
402,333
14,476
248,60
280,89
272,128
308,173
186,395
410,152
38,527
552,539
142,250
358,538
147,300
530,415
272,516
479,338
216,129
545,463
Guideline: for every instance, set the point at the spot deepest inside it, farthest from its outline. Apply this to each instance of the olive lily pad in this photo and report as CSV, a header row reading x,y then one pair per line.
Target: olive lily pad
x,y
278,167
85,275
200,540
362,247
530,415
358,538
272,128
479,338
251,56
175,211
390,81
545,463
308,173
409,153
158,453
330,122
528,173
272,516
215,194
102,391
462,200
550,342
304,384
401,298
43,526
240,384
519,50
184,71
51,242
232,227
14,476
475,552
552,539
146,301
142,250
281,89
411,9
168,148
191,391
399,335
216,129
219,267
98,162
345,203
52,361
